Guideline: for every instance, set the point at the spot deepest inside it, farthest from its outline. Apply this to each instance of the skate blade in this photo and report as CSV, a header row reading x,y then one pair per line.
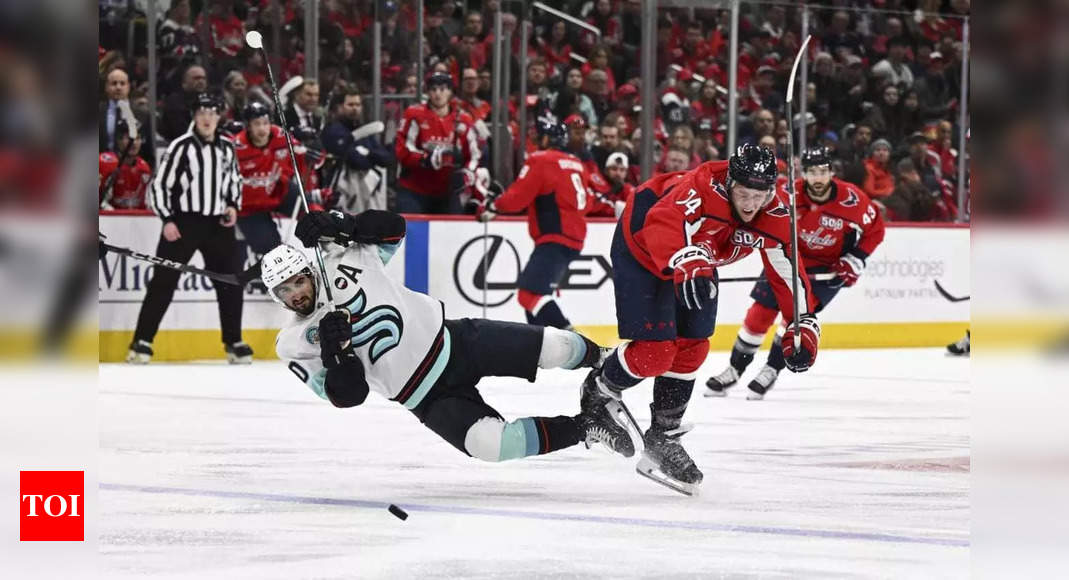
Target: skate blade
x,y
623,417
711,393
648,469
238,360
138,359
755,396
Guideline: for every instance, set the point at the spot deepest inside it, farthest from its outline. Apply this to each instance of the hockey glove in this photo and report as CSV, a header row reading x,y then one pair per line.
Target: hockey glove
x,y
693,274
336,339
487,210
809,339
319,226
847,270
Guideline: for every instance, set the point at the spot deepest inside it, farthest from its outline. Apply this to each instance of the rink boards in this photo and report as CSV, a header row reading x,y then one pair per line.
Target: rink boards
x,y
895,304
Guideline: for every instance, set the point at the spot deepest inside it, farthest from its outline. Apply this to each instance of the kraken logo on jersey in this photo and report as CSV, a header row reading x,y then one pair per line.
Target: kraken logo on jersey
x,y
381,326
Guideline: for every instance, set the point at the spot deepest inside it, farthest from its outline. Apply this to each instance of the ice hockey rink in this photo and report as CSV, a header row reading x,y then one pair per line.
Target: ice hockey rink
x,y
856,469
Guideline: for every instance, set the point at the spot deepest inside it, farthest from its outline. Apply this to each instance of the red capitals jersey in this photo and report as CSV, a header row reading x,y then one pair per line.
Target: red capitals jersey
x,y
128,191
848,223
265,171
676,210
554,188
422,131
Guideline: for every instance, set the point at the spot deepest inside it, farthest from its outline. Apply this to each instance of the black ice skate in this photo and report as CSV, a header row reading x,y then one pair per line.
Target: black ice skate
x,y
665,461
717,385
599,427
239,353
140,352
601,401
961,347
762,383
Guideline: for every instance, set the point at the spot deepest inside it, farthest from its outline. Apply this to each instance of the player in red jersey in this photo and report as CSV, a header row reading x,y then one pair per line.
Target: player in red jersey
x,y
838,229
436,147
128,187
674,233
554,188
266,174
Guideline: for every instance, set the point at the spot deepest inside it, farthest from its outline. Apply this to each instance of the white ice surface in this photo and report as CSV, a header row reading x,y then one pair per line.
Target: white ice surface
x,y
212,471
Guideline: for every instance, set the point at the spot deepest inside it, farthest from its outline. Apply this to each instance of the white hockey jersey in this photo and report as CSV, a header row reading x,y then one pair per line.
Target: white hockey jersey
x,y
399,335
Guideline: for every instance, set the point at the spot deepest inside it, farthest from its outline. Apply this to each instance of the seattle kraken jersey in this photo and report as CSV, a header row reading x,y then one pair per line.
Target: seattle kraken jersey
x,y
398,334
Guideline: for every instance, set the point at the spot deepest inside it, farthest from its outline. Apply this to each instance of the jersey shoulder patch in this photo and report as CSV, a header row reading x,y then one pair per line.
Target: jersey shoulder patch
x,y
779,210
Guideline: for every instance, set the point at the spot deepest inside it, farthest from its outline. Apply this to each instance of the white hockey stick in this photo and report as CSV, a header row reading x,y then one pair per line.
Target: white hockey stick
x,y
790,190
369,129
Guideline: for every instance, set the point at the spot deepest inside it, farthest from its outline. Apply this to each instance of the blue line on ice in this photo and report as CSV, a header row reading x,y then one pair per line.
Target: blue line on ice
x,y
705,526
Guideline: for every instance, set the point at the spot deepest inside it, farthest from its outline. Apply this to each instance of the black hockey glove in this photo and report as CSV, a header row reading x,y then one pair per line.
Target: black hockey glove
x,y
336,340
319,226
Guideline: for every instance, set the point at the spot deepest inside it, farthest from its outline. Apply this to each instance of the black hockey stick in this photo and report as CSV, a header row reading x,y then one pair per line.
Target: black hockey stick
x,y
947,295
239,279
795,262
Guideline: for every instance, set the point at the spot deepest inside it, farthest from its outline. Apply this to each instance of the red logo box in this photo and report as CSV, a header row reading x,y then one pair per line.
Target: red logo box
x,y
51,506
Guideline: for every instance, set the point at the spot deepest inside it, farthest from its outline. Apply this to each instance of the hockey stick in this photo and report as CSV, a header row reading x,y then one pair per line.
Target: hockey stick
x,y
239,279
947,295
814,277
368,129
255,40
790,190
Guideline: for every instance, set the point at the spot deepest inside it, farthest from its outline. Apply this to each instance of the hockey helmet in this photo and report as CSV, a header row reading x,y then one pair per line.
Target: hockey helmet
x,y
439,79
548,126
753,166
815,157
255,110
281,264
208,101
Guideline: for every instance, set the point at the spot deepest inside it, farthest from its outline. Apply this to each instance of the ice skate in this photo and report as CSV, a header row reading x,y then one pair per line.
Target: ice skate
x,y
717,385
762,383
666,462
599,398
599,427
961,347
239,353
140,352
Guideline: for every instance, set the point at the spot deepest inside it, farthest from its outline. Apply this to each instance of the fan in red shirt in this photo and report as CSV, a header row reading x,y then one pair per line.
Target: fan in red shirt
x,y
613,201
554,188
129,184
676,231
838,229
438,152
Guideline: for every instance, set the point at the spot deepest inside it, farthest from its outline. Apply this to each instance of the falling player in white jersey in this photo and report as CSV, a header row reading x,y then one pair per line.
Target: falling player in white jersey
x,y
380,336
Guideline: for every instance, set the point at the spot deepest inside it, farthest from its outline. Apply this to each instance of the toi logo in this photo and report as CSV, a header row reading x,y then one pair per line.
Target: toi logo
x,y
51,506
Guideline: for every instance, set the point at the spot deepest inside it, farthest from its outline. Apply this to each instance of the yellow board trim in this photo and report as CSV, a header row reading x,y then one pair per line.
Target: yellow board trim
x,y
833,335
184,345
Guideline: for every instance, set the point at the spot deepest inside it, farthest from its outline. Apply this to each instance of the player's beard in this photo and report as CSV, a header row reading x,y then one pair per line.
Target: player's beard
x,y
823,195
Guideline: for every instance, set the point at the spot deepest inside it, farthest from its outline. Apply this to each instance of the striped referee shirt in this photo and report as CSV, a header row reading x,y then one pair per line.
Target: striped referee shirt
x,y
197,176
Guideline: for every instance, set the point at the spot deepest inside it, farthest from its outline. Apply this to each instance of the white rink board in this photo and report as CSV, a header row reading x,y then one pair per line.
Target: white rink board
x,y
898,285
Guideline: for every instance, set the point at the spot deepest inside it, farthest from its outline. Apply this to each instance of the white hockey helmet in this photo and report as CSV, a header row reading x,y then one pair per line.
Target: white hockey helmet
x,y
281,264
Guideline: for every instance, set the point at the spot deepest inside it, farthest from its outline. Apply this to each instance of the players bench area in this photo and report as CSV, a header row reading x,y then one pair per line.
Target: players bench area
x,y
904,298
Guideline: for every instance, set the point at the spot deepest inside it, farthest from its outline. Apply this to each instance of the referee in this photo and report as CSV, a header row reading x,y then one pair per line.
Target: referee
x,y
197,193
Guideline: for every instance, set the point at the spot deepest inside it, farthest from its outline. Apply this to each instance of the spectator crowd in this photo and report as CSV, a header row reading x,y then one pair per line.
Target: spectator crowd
x,y
882,91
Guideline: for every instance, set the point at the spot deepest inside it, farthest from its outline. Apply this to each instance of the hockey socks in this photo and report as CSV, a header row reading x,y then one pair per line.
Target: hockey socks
x,y
568,350
542,310
538,436
670,398
775,354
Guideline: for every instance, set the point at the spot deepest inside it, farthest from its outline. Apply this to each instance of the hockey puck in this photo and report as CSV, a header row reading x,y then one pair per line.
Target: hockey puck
x,y
400,513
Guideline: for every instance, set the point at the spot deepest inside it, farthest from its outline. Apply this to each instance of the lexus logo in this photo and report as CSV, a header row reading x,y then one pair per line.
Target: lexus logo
x,y
502,270
499,273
